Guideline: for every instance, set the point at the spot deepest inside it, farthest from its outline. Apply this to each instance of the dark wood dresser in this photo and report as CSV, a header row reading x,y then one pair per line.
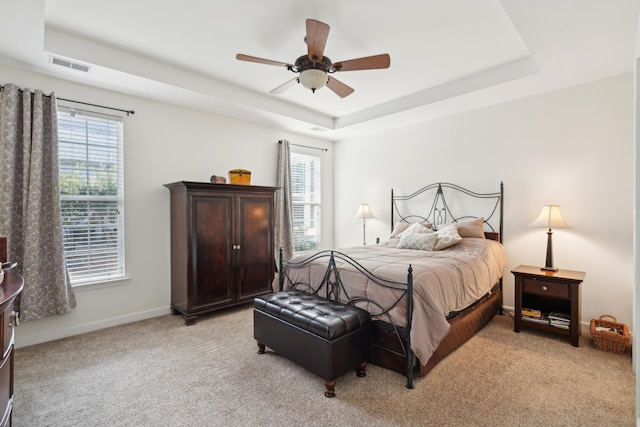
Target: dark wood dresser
x,y
222,247
9,290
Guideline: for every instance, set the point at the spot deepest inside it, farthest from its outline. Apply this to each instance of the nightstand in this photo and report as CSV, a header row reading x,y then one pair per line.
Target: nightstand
x,y
548,292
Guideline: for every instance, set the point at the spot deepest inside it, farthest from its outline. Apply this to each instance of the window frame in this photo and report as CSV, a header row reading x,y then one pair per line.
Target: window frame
x,y
107,140
312,200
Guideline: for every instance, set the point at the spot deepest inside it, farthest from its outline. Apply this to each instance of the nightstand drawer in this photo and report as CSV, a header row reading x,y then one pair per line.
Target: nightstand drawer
x,y
546,288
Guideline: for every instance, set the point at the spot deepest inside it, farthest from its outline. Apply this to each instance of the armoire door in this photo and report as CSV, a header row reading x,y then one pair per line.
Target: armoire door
x,y
254,258
212,251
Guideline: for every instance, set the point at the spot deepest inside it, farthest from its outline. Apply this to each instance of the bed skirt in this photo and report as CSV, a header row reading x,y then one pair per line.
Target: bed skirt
x,y
389,350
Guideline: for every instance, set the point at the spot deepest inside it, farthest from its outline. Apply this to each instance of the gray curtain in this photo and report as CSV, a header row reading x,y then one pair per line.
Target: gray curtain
x,y
30,213
284,209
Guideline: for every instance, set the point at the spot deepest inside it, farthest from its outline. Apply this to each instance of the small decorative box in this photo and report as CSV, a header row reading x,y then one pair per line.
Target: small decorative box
x,y
217,179
240,176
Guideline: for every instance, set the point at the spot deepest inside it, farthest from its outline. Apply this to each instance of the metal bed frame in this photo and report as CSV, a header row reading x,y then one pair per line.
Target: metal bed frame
x,y
438,214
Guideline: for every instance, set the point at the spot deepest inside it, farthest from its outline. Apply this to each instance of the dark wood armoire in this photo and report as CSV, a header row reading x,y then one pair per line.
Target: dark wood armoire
x,y
222,247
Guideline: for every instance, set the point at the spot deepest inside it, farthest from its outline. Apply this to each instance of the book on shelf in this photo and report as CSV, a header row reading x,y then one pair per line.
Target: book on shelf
x,y
559,320
543,319
531,312
560,317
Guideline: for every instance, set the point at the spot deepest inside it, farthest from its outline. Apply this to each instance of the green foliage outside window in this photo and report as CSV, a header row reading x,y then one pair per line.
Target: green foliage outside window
x,y
94,213
102,183
302,241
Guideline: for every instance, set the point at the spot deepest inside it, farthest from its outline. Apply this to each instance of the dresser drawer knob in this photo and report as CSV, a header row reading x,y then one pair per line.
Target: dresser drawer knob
x,y
544,288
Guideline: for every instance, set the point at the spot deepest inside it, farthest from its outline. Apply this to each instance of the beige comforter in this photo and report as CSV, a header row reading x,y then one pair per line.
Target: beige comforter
x,y
443,282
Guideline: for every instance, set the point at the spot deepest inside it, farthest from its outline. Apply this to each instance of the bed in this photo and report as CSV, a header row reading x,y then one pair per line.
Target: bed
x,y
429,287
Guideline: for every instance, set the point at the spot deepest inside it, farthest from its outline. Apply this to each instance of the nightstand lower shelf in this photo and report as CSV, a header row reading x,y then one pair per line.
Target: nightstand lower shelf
x,y
544,327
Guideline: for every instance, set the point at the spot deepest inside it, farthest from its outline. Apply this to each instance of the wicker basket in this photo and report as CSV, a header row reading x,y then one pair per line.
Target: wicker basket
x,y
616,340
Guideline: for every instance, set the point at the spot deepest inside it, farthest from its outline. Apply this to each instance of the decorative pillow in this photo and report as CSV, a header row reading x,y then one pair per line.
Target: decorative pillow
x,y
422,241
417,227
471,228
399,228
446,237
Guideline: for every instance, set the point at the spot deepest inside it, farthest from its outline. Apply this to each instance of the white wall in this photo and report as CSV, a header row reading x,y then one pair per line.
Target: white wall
x,y
571,147
163,144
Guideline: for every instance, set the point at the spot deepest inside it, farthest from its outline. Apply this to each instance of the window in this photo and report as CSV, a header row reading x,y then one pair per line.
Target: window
x,y
305,182
91,193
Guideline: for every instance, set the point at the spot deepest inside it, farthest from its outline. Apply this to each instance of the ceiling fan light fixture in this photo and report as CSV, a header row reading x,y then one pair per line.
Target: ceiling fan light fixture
x,y
313,68
313,79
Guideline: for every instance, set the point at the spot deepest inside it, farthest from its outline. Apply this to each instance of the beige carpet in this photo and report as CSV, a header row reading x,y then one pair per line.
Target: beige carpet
x,y
159,372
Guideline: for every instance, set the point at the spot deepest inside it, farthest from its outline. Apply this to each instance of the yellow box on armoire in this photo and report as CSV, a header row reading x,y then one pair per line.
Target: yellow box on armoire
x,y
240,176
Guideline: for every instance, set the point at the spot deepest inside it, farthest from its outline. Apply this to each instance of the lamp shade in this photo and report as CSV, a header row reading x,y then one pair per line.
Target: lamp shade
x,y
313,79
550,217
364,212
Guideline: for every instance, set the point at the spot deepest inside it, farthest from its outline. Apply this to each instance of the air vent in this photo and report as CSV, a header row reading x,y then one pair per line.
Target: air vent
x,y
319,129
69,64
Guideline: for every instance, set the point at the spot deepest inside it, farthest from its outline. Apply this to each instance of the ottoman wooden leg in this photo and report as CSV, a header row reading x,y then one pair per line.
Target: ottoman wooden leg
x,y
361,372
330,386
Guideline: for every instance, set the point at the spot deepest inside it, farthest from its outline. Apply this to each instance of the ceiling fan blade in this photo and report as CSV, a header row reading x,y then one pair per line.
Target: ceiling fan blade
x,y
248,58
367,63
285,87
317,33
339,88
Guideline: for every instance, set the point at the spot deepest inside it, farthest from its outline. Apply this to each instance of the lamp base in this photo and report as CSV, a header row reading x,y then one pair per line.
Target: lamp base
x,y
548,264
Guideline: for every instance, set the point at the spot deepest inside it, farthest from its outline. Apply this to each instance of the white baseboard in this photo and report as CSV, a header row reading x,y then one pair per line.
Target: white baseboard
x,y
89,327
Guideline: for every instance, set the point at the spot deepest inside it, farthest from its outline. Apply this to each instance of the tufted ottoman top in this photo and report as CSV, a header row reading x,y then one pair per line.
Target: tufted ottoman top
x,y
328,319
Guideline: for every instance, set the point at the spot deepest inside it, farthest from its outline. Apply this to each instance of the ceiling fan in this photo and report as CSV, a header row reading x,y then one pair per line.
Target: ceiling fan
x,y
314,68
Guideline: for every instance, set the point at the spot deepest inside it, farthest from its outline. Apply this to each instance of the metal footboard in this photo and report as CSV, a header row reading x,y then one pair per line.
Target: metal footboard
x,y
334,289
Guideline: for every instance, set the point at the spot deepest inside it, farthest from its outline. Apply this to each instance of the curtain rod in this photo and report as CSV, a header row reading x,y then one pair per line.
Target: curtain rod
x,y
86,103
306,146
96,105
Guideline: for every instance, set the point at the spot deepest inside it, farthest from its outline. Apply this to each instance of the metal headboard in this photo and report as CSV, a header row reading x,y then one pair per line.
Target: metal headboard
x,y
440,212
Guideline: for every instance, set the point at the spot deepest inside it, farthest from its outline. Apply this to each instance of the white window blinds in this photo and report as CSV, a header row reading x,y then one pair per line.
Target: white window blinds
x,y
305,182
92,196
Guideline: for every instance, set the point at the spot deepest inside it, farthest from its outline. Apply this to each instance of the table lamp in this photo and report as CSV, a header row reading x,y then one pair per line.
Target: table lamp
x,y
550,217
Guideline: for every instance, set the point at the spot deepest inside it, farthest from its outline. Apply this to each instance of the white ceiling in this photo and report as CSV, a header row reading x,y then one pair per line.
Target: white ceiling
x,y
446,56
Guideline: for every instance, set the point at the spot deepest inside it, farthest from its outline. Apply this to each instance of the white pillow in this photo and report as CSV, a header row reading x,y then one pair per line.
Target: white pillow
x,y
446,237
416,228
400,227
422,241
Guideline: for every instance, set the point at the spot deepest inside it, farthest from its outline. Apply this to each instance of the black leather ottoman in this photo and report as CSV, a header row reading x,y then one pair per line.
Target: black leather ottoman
x,y
325,337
